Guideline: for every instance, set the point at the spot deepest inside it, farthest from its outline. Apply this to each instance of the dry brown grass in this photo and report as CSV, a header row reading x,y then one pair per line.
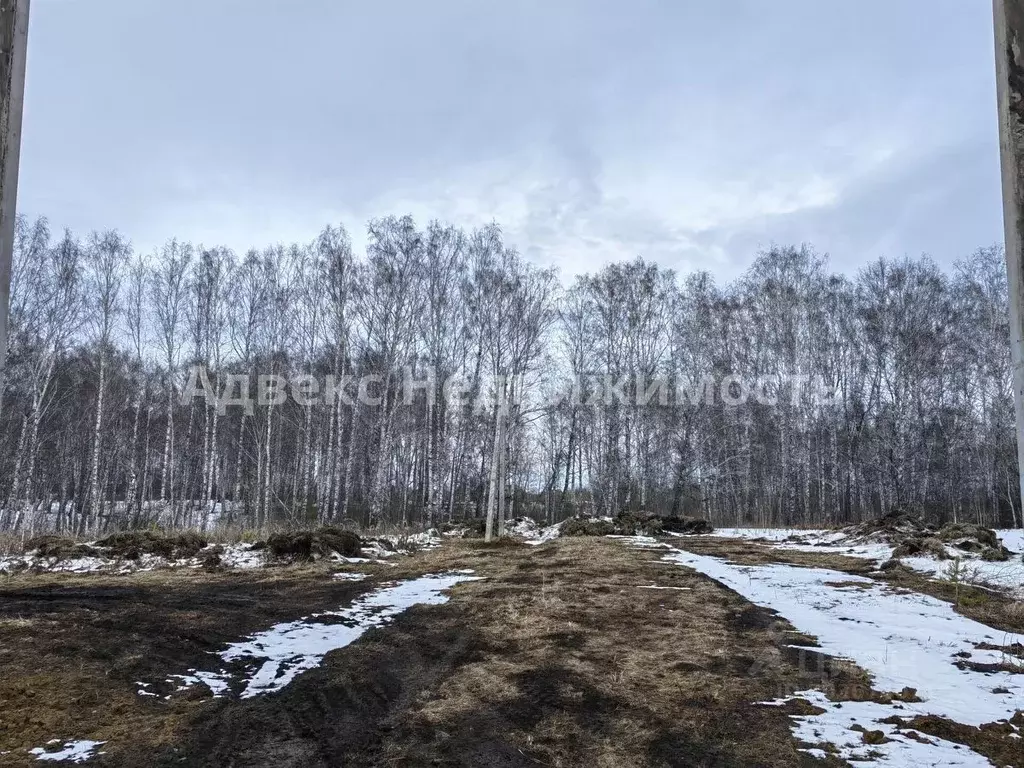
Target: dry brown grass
x,y
11,544
586,667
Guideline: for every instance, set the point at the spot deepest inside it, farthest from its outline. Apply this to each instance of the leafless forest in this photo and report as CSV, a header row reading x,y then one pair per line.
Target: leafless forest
x,y
908,400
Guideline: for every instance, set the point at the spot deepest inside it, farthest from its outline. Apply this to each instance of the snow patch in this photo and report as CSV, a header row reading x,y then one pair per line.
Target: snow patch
x,y
656,586
523,527
72,751
902,639
274,658
1008,575
544,535
242,556
834,726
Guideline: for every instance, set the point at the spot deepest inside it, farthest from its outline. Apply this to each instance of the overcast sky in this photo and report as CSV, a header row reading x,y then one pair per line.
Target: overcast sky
x,y
692,133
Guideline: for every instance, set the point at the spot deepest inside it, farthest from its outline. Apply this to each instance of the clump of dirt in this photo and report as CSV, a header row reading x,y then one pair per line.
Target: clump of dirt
x,y
131,545
59,547
907,695
314,545
893,565
928,545
870,737
797,707
694,526
212,558
893,527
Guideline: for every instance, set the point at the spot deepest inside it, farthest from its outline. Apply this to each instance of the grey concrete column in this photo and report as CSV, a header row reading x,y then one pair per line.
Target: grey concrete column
x,y
13,47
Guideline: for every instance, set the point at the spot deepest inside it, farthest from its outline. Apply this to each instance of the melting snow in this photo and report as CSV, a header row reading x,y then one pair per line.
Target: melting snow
x,y
902,751
285,650
545,535
902,639
656,586
242,556
73,751
1007,575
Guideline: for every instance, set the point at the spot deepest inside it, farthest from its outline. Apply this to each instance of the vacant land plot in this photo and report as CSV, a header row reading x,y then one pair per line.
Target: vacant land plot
x,y
587,651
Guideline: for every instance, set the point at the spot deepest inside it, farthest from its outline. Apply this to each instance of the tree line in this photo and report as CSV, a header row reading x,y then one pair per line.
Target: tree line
x,y
903,395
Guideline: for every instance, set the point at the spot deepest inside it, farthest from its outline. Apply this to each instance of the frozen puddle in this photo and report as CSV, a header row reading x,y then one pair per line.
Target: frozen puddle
x,y
273,658
71,752
904,640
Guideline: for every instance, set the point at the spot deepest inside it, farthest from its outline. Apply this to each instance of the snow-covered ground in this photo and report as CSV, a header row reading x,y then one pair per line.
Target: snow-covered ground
x,y
1013,539
904,640
768,534
1007,575
278,654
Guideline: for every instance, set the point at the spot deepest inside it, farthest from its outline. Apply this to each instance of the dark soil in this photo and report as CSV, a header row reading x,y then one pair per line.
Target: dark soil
x,y
314,545
73,648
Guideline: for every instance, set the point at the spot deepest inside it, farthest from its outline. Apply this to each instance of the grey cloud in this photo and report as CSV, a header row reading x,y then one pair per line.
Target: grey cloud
x,y
246,121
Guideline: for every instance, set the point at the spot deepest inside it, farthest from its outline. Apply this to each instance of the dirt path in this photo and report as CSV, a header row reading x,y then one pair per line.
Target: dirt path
x,y
562,656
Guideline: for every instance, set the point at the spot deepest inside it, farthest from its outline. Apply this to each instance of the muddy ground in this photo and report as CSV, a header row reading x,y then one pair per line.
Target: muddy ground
x,y
560,656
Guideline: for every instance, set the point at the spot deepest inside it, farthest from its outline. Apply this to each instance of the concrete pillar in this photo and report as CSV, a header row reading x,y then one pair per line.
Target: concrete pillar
x,y
13,47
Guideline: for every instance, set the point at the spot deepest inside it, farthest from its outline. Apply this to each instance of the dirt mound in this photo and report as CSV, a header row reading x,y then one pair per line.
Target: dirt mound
x,y
895,526
211,560
472,528
635,524
314,545
975,539
131,545
580,526
693,526
921,547
911,536
59,547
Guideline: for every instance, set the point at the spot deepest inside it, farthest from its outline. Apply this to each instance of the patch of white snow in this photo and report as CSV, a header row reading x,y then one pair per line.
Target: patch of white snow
x,y
72,751
279,654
